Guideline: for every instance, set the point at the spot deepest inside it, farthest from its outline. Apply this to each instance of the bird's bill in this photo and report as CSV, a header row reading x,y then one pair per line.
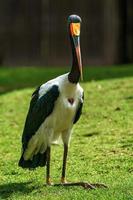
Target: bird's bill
x,y
76,40
75,29
78,54
75,33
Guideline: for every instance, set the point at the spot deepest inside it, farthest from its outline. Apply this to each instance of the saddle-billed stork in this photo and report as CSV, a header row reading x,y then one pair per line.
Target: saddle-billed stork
x,y
54,108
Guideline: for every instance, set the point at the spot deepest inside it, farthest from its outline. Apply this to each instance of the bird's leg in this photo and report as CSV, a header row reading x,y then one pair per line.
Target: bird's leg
x,y
63,180
48,180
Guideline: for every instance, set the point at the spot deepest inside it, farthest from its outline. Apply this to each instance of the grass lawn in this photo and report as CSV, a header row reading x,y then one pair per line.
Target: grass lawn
x,y
101,148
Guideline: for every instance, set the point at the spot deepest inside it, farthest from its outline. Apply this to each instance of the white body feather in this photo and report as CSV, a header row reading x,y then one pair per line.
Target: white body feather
x,y
60,121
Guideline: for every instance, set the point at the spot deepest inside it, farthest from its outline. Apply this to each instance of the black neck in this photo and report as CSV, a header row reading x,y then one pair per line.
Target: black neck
x,y
74,74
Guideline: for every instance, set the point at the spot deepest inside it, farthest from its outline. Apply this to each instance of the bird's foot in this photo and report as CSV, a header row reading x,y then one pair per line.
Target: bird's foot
x,y
85,185
49,182
63,180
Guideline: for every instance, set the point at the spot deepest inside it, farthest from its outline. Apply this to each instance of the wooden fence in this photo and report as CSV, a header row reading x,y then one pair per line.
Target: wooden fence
x,y
34,32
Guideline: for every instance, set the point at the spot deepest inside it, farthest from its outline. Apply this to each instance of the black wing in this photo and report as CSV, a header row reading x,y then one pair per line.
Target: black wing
x,y
79,110
39,110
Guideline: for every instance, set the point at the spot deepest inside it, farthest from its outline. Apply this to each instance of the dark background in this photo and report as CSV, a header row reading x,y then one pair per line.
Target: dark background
x,y
34,32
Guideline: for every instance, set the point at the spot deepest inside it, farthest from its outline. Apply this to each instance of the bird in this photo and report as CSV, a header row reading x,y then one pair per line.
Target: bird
x,y
54,109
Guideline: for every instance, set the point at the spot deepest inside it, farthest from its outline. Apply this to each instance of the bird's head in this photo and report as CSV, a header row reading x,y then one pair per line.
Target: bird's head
x,y
74,24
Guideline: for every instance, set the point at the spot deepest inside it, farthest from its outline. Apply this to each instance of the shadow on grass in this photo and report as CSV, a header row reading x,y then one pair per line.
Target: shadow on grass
x,y
6,190
91,134
129,98
25,77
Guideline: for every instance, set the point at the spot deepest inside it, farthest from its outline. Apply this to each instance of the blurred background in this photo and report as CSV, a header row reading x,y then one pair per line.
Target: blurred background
x,y
34,32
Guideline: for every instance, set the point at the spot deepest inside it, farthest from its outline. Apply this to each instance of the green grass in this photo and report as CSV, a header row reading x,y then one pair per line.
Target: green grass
x,y
101,148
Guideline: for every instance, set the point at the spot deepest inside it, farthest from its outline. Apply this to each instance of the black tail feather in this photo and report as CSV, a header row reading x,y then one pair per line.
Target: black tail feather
x,y
39,160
